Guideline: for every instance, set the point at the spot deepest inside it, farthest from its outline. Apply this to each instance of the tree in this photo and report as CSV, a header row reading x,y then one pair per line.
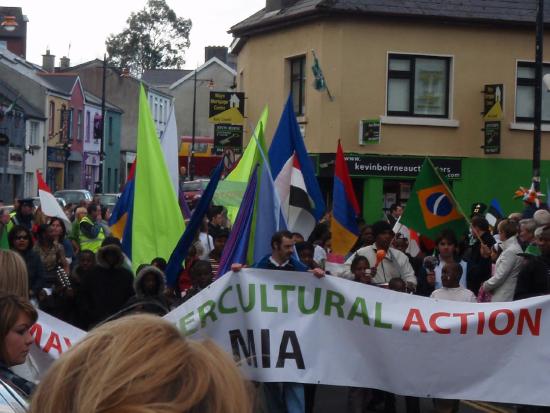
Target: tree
x,y
155,39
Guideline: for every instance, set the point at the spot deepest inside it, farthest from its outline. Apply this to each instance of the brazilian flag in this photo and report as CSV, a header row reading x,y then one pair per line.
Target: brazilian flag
x,y
432,206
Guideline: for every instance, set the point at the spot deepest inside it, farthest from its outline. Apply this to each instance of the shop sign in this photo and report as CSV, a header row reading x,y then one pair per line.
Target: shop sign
x,y
492,103
226,107
386,166
369,131
56,155
228,136
15,158
92,159
491,145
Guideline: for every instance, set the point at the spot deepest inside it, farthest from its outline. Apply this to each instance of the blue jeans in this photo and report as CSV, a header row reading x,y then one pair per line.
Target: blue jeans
x,y
284,397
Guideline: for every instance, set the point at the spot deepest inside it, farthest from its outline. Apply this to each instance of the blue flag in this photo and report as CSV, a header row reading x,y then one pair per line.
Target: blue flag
x,y
270,217
173,267
287,140
122,217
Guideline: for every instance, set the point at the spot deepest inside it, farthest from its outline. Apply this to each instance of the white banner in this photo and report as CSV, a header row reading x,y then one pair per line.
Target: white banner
x,y
52,337
287,326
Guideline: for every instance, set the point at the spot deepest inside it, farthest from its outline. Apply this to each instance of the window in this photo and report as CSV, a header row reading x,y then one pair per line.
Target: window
x,y
110,130
33,134
29,184
51,115
298,84
108,181
418,86
115,182
69,124
79,126
525,93
88,125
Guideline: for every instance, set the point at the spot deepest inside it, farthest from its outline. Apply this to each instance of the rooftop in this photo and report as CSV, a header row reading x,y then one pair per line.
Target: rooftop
x,y
511,12
163,77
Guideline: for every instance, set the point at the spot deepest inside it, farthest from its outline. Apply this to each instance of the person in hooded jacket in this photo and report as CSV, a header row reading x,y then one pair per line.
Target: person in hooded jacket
x,y
106,288
149,285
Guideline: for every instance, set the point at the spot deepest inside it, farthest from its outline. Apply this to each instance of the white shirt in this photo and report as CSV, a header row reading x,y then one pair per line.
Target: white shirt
x,y
454,294
394,265
319,255
207,245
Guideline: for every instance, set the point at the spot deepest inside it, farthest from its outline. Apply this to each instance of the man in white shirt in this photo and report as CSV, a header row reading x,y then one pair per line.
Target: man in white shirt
x,y
394,264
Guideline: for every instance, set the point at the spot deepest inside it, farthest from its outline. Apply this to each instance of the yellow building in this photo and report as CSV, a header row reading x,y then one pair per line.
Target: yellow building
x,y
58,110
407,80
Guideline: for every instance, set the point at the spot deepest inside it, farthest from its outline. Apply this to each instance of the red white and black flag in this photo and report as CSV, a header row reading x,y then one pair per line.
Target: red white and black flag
x,y
296,203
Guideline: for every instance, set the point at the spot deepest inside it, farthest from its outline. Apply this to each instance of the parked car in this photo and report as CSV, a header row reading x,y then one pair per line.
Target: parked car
x,y
74,196
108,200
192,190
10,401
60,201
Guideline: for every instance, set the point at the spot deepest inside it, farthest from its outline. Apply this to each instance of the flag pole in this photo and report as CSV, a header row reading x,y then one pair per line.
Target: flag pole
x,y
436,169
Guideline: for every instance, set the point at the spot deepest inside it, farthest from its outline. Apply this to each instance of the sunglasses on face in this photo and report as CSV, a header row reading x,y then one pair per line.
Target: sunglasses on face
x,y
22,238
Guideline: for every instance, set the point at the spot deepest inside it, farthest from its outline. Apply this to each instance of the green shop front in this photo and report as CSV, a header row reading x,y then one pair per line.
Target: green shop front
x,y
381,180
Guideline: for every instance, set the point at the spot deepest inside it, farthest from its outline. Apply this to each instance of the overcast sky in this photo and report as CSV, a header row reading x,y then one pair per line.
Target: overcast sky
x,y
84,25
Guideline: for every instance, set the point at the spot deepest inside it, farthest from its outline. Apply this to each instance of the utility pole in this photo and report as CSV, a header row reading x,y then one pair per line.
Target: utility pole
x,y
191,161
538,94
99,187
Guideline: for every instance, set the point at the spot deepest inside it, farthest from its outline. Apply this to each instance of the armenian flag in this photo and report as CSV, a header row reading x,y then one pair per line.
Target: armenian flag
x,y
345,208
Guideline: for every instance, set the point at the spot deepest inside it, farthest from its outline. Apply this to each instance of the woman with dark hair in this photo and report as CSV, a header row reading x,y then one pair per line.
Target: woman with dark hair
x,y
18,316
366,238
20,241
51,254
60,236
447,253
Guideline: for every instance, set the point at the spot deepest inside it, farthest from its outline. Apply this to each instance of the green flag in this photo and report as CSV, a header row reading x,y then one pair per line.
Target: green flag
x,y
432,206
157,219
248,160
241,174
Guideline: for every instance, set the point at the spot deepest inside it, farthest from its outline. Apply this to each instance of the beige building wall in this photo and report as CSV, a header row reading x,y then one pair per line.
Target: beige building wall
x,y
55,139
353,54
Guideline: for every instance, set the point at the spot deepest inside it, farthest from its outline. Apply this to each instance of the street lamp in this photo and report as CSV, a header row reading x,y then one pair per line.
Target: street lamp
x,y
191,156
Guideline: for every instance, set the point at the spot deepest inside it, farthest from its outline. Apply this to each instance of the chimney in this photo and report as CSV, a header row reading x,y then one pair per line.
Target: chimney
x,y
272,5
48,61
215,51
64,63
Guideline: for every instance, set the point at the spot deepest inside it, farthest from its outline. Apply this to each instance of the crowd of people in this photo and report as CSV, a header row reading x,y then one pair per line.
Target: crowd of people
x,y
78,273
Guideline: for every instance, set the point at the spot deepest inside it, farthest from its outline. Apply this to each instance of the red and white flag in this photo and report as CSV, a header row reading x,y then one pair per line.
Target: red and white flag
x,y
48,203
296,204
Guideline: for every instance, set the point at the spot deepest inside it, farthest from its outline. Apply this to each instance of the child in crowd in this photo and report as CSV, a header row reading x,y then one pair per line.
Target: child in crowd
x,y
160,263
86,261
220,238
358,397
452,290
361,270
201,277
305,252
149,286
